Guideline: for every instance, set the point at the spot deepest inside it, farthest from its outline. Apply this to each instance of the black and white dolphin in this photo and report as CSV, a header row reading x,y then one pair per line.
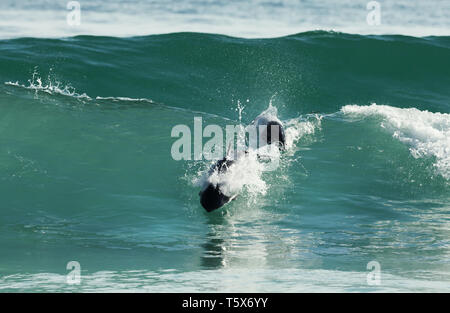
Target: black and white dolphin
x,y
211,196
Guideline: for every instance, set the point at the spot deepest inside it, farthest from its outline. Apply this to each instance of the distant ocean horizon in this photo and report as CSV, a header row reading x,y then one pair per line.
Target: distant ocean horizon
x,y
248,19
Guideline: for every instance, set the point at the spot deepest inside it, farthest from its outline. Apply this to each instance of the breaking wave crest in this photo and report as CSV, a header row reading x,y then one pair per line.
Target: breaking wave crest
x,y
427,134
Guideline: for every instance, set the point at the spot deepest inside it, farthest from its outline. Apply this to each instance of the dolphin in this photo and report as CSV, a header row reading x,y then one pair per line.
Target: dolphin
x,y
211,196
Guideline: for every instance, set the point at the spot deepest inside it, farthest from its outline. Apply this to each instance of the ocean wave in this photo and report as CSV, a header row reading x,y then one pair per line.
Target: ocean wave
x,y
426,133
207,72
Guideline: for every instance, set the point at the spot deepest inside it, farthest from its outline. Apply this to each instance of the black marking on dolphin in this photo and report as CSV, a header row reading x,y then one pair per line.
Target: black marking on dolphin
x,y
281,140
211,197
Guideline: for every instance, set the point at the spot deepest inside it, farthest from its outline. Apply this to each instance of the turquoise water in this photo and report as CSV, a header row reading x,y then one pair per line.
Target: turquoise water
x,y
86,172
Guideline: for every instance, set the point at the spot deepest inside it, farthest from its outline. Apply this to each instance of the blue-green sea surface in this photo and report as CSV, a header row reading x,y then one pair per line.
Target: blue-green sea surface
x,y
86,172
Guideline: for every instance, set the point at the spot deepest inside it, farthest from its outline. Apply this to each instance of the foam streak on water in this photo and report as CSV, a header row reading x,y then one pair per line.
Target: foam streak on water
x,y
50,88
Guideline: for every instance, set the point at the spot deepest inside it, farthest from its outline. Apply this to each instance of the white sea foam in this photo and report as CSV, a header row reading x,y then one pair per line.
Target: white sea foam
x,y
223,280
50,87
297,128
427,134
246,172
